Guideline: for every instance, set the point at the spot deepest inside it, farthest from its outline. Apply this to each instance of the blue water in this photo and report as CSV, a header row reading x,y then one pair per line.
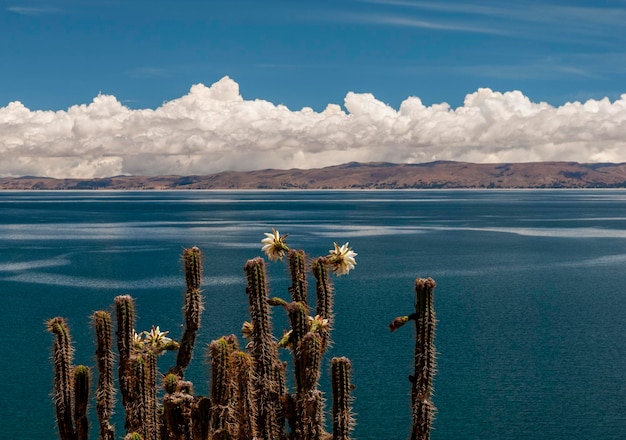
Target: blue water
x,y
530,298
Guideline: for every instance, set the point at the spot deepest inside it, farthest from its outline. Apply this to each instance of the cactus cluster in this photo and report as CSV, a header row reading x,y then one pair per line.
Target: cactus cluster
x,y
249,397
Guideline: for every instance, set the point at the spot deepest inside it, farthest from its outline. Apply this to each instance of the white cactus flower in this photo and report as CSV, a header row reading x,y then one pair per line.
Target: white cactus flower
x,y
156,338
342,259
274,245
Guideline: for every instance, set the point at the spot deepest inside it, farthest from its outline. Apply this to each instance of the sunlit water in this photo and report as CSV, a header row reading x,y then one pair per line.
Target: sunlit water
x,y
530,298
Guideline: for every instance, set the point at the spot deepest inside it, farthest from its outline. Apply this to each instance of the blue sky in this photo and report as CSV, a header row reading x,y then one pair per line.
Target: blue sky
x,y
64,52
88,88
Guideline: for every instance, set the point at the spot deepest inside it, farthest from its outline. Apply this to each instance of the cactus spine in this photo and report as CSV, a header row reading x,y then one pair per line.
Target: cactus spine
x,y
343,421
105,391
193,307
424,360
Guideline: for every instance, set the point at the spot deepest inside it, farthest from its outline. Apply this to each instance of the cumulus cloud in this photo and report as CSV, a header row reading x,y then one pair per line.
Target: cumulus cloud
x,y
214,129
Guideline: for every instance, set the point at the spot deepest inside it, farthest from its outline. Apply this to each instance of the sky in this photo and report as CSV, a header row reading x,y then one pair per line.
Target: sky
x,y
103,88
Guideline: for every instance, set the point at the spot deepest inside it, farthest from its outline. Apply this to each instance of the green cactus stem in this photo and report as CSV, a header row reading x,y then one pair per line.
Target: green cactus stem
x,y
133,436
309,403
192,258
268,369
125,317
193,307
222,389
424,364
170,381
105,391
139,402
343,420
297,268
152,405
245,405
81,401
63,354
324,293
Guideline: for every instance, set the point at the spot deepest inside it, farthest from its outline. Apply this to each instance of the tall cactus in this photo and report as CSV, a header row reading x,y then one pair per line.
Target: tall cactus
x,y
193,307
63,354
343,421
264,350
222,389
245,404
105,392
82,380
424,361
125,317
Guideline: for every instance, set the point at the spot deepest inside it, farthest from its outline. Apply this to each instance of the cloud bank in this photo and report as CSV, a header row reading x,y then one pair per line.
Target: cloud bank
x,y
213,129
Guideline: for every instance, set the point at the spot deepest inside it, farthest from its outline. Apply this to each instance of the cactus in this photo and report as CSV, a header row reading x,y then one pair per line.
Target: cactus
x,y
125,317
152,405
177,412
139,396
424,360
249,398
324,294
264,350
245,405
222,390
297,268
63,354
193,307
82,377
343,421
309,403
105,391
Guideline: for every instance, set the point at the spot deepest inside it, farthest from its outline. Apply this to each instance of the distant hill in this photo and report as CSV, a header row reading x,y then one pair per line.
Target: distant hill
x,y
355,175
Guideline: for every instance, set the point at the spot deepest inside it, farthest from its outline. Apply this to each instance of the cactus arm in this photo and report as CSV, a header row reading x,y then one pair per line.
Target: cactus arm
x,y
125,317
324,293
423,409
105,392
297,268
343,421
81,401
193,307
264,351
63,354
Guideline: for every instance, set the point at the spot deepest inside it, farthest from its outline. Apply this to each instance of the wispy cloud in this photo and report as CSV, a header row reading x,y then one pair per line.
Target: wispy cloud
x,y
214,128
33,10
395,20
528,20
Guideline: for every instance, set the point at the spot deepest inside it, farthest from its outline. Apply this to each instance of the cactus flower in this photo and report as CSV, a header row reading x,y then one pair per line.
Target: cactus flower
x,y
341,259
247,329
274,245
319,323
156,338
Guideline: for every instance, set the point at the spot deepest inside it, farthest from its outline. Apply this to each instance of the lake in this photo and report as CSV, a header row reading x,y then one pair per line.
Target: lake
x,y
530,296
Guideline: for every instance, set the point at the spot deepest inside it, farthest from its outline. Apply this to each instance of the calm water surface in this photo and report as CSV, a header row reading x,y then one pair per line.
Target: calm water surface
x,y
530,297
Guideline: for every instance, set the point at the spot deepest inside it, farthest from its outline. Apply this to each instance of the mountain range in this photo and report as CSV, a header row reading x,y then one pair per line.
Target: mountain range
x,y
354,175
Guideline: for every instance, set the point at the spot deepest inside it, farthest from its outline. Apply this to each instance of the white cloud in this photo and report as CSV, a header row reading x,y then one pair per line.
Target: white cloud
x,y
213,129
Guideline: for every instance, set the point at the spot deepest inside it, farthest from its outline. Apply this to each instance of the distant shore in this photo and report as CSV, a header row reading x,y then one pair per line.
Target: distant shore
x,y
353,175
